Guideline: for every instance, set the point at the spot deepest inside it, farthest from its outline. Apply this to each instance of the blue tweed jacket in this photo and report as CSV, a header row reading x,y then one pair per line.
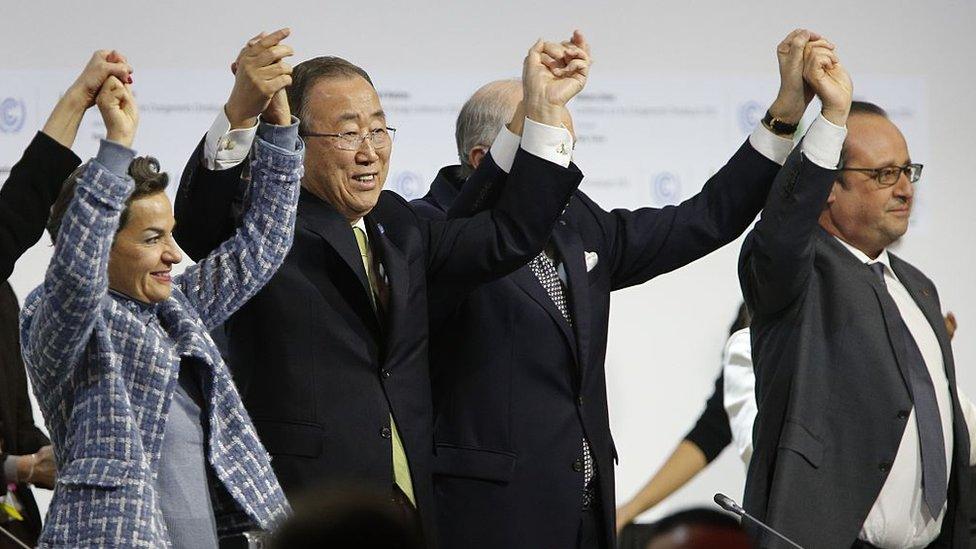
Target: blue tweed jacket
x,y
105,379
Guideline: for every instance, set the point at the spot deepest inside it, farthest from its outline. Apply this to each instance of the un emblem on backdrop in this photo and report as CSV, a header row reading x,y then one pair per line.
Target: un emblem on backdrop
x,y
665,188
409,185
13,113
750,113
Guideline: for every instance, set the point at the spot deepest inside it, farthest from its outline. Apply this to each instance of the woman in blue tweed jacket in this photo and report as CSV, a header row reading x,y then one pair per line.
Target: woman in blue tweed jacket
x,y
153,445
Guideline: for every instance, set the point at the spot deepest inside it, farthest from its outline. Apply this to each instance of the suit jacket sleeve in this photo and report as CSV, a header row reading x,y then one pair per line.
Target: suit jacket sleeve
x,y
480,191
647,242
27,195
495,242
209,204
230,275
776,260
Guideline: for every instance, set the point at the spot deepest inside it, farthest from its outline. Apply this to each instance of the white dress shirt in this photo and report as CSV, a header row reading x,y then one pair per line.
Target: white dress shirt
x,y
900,517
739,385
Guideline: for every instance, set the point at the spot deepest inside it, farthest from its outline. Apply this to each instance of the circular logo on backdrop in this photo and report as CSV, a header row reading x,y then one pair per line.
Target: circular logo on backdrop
x,y
666,188
750,113
13,113
409,185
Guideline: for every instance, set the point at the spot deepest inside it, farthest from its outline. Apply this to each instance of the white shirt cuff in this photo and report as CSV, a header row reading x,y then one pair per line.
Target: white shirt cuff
x,y
823,143
225,148
548,142
772,146
503,149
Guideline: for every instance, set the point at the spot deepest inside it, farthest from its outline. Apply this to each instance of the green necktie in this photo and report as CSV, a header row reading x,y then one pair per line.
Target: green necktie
x,y
401,469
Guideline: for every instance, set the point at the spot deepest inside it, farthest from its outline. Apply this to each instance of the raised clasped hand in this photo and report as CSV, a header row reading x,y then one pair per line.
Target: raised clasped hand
x,y
119,112
823,72
552,74
260,75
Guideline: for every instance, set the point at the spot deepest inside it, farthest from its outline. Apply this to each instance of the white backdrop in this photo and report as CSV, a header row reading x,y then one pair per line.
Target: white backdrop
x,y
675,89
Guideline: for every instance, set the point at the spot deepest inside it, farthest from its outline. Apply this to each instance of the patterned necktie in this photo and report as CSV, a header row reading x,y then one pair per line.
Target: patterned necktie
x,y
544,270
930,436
401,468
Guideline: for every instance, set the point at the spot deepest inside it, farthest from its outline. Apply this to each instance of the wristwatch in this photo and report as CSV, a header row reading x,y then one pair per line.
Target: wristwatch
x,y
777,126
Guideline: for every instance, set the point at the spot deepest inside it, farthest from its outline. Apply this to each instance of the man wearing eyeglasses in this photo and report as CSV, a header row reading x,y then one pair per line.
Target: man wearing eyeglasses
x,y
331,356
860,440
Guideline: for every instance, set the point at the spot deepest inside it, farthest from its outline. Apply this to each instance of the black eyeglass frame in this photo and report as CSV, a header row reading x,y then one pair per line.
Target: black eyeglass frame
x,y
912,171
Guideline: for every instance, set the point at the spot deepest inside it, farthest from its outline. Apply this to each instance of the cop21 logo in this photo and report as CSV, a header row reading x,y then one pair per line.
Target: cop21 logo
x,y
666,188
750,113
409,185
13,113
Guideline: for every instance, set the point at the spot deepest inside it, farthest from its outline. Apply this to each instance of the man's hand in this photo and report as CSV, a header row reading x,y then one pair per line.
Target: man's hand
x,y
278,112
103,63
119,111
794,94
951,325
260,73
38,469
552,74
824,74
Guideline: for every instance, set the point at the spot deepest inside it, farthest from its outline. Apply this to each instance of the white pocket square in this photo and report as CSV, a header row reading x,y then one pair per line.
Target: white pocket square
x,y
591,260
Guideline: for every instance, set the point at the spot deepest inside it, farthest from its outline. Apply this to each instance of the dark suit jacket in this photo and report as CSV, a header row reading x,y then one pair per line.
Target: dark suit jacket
x,y
832,398
318,370
516,387
27,195
18,434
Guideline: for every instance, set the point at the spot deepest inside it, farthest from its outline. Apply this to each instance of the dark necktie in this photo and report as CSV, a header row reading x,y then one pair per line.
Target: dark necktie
x,y
930,436
544,270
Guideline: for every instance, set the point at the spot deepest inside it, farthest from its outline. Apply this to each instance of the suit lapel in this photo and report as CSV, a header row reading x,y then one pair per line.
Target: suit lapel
x,y
570,249
923,298
528,283
320,218
392,267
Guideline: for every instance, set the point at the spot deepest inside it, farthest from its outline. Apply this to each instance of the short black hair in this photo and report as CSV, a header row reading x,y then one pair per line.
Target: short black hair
x,y
307,73
144,170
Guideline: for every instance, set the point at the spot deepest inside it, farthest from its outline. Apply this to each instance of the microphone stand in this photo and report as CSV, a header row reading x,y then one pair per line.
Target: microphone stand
x,y
729,504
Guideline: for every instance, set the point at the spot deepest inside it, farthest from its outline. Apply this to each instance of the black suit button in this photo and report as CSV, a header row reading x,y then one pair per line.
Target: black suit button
x,y
384,373
578,465
884,467
385,432
902,414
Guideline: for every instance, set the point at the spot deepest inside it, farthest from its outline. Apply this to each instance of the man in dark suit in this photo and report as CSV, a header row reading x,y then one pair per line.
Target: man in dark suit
x,y
331,356
524,455
860,439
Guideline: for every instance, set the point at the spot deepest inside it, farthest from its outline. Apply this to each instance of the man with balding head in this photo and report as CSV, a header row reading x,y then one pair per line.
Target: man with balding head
x,y
860,439
524,456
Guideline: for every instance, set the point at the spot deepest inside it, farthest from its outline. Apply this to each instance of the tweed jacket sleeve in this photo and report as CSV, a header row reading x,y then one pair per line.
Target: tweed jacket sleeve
x,y
66,305
230,275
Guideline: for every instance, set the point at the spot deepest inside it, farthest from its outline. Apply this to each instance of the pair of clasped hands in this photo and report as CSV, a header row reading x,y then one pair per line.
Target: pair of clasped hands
x,y
552,74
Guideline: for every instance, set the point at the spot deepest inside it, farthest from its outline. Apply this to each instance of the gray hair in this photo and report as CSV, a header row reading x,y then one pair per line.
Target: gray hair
x,y
482,116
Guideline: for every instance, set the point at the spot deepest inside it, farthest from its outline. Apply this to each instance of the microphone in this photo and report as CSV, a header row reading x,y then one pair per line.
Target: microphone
x,y
729,504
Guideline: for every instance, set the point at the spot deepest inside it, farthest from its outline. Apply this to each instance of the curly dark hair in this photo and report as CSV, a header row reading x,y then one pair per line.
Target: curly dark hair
x,y
144,170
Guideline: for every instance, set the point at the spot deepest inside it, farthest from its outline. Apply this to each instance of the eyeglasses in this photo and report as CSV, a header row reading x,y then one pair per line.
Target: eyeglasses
x,y
380,138
889,175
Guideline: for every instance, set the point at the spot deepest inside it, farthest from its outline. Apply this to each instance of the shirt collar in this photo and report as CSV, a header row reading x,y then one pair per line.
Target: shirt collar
x,y
863,257
361,224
